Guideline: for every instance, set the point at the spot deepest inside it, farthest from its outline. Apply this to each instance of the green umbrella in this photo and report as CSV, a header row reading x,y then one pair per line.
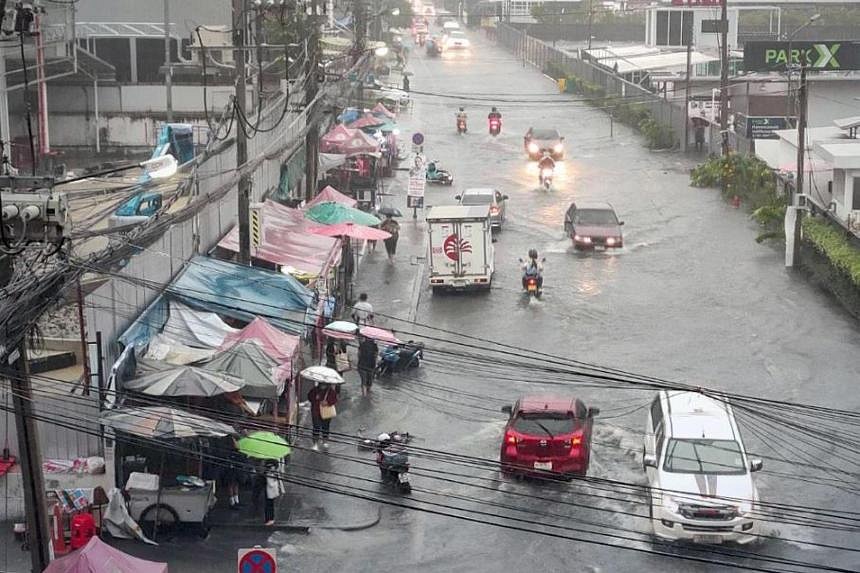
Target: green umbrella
x,y
333,213
264,446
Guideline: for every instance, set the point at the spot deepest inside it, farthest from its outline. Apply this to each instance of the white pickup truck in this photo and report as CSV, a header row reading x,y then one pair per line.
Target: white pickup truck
x,y
461,247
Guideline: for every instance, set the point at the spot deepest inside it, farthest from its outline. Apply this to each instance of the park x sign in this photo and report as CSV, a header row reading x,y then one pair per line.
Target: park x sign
x,y
816,56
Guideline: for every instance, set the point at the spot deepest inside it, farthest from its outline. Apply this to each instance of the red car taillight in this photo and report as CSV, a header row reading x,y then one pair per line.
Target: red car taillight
x,y
494,210
574,442
510,439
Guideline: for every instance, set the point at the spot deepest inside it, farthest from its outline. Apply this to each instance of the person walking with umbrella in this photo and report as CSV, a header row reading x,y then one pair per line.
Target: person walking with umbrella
x,y
389,225
323,399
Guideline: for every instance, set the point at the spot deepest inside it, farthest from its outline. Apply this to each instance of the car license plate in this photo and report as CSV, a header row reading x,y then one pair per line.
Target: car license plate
x,y
543,465
403,478
711,539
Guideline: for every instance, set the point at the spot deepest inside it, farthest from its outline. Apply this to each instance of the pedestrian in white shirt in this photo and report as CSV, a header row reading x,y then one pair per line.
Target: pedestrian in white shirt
x,y
274,489
362,311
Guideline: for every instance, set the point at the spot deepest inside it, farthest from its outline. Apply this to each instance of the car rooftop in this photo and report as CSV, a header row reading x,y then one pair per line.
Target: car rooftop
x,y
695,416
597,205
479,191
547,404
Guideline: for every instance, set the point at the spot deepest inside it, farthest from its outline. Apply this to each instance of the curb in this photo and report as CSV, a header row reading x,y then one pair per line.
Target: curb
x,y
276,527
366,525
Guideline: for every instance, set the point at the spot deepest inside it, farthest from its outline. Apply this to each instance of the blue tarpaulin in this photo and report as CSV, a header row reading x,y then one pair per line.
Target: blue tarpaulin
x,y
242,292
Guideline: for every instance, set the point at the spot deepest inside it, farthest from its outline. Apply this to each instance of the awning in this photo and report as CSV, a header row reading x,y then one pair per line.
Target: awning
x,y
330,194
248,361
242,292
286,241
279,345
99,557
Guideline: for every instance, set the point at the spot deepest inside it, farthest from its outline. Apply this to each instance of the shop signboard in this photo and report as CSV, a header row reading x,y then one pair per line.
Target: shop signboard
x,y
827,55
759,127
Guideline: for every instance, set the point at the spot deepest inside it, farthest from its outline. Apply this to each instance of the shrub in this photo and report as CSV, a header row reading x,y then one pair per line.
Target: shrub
x,y
833,243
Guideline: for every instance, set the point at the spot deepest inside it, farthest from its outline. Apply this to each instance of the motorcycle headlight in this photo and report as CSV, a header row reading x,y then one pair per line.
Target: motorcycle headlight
x,y
546,173
558,148
533,147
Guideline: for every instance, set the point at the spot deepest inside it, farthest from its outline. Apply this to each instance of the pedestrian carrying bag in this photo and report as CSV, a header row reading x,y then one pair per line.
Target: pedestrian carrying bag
x,y
341,361
327,412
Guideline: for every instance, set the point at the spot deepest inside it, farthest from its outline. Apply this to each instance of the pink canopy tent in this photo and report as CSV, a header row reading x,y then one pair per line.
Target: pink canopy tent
x,y
332,141
368,120
286,241
380,109
99,557
282,347
351,230
331,195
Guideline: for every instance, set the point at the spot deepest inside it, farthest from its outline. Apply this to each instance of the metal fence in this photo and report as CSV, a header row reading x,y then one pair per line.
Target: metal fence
x,y
540,54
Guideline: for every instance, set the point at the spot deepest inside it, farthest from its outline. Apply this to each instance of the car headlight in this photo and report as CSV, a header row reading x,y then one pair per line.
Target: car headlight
x,y
533,147
558,148
669,503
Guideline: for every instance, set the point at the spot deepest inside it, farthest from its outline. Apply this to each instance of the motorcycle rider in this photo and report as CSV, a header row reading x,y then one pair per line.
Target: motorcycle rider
x,y
546,162
533,268
494,114
461,116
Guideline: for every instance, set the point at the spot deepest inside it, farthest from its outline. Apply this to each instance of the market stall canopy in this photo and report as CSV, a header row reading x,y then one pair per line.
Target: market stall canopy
x,y
286,242
163,422
368,120
242,292
99,557
249,362
337,136
379,334
167,350
350,114
334,213
352,231
341,330
279,345
331,195
185,381
264,446
329,161
381,110
347,141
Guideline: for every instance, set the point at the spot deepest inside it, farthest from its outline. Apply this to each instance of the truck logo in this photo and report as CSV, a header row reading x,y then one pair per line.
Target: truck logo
x,y
454,245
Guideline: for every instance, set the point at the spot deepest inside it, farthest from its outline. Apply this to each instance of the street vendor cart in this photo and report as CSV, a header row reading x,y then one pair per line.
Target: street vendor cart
x,y
161,509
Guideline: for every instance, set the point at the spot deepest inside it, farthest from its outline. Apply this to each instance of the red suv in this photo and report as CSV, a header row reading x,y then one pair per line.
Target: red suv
x,y
547,434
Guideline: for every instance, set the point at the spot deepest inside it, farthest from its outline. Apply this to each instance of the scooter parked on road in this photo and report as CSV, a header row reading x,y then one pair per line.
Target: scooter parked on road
x,y
399,358
393,461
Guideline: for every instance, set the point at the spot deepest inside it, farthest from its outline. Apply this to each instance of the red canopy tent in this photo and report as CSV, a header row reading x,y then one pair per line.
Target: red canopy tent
x,y
332,141
331,195
368,120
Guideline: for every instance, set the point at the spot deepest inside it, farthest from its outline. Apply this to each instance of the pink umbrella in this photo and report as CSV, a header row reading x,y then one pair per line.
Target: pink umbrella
x,y
379,334
350,230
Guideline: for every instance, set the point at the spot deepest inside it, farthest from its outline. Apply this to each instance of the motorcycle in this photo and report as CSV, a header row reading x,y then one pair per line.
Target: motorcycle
x,y
532,281
438,176
495,125
461,125
545,178
400,357
392,459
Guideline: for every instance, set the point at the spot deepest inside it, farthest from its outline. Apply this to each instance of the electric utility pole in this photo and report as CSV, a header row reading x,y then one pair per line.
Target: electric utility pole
x,y
311,70
360,44
17,371
688,32
239,28
724,76
801,152
168,62
590,19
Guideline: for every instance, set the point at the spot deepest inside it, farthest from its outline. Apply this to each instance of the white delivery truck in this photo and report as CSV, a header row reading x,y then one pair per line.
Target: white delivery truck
x,y
461,247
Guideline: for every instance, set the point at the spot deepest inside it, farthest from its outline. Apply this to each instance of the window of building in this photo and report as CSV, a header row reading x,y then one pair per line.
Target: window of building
x,y
150,59
673,27
117,52
855,205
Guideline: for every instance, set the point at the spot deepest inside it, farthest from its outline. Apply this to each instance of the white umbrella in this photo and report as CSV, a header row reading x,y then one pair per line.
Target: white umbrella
x,y
185,381
341,329
164,422
322,374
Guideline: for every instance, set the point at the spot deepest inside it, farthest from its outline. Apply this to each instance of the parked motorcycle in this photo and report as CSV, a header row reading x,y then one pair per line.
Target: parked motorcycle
x,y
495,126
399,358
392,460
438,176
